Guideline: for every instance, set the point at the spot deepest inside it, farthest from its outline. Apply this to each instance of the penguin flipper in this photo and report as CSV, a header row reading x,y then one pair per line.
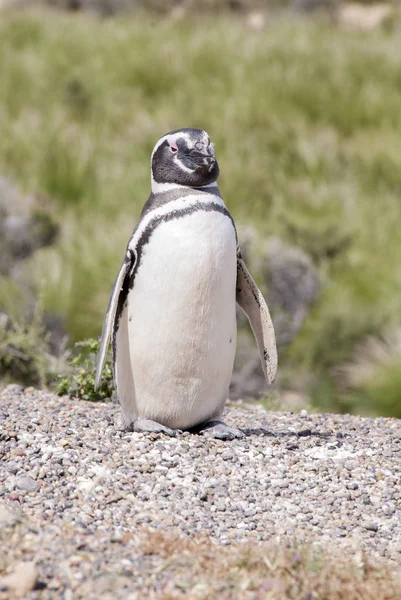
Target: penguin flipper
x,y
110,316
251,301
122,367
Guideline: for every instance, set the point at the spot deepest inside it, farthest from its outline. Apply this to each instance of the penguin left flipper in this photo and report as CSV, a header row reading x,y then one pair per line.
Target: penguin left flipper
x,y
108,323
254,306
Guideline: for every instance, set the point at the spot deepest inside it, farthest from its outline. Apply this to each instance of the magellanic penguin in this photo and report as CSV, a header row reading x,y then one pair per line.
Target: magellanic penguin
x,y
171,314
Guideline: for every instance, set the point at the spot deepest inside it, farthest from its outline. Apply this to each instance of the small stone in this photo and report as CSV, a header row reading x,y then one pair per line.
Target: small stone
x,y
21,581
42,473
117,537
7,516
279,483
372,527
27,484
15,388
161,468
304,433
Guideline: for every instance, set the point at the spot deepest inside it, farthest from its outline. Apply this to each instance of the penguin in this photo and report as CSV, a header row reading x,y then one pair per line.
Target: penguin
x,y
171,316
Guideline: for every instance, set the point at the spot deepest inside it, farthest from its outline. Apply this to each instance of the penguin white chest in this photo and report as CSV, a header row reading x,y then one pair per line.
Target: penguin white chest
x,y
181,319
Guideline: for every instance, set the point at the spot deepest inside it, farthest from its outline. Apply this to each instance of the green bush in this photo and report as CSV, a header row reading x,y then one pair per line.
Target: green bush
x,y
24,351
80,381
373,377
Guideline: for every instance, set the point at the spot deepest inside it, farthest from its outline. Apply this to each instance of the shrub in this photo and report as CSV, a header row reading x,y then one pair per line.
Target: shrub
x,y
80,381
24,350
373,377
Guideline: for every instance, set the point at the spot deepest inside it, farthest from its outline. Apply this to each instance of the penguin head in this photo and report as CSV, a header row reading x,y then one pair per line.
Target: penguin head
x,y
184,157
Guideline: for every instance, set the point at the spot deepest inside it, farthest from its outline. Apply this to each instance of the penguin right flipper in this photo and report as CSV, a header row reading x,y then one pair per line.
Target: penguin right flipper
x,y
251,301
109,319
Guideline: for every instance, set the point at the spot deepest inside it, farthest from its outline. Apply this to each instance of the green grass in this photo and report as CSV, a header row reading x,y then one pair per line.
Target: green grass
x,y
306,122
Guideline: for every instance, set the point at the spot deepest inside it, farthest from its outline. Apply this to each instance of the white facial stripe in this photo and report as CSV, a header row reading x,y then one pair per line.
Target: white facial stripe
x,y
181,203
171,139
182,166
159,143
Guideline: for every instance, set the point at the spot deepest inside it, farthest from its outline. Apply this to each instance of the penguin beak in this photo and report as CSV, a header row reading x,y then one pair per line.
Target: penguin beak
x,y
202,154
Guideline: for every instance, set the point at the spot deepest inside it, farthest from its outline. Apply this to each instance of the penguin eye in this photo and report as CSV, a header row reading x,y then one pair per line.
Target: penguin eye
x,y
173,148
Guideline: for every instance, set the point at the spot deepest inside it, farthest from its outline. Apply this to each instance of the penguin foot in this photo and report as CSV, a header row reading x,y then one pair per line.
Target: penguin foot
x,y
220,431
148,426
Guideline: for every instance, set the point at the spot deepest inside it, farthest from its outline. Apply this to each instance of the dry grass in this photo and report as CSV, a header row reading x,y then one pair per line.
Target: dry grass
x,y
374,373
165,566
198,569
369,354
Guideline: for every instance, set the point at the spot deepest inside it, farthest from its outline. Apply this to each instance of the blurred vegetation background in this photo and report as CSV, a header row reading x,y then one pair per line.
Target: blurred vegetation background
x,y
302,100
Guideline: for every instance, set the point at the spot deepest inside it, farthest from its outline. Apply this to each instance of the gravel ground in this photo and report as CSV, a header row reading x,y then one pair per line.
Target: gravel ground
x,y
75,492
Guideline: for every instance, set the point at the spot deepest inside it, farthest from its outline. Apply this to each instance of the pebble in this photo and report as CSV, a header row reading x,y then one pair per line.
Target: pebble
x,y
26,483
14,388
89,488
